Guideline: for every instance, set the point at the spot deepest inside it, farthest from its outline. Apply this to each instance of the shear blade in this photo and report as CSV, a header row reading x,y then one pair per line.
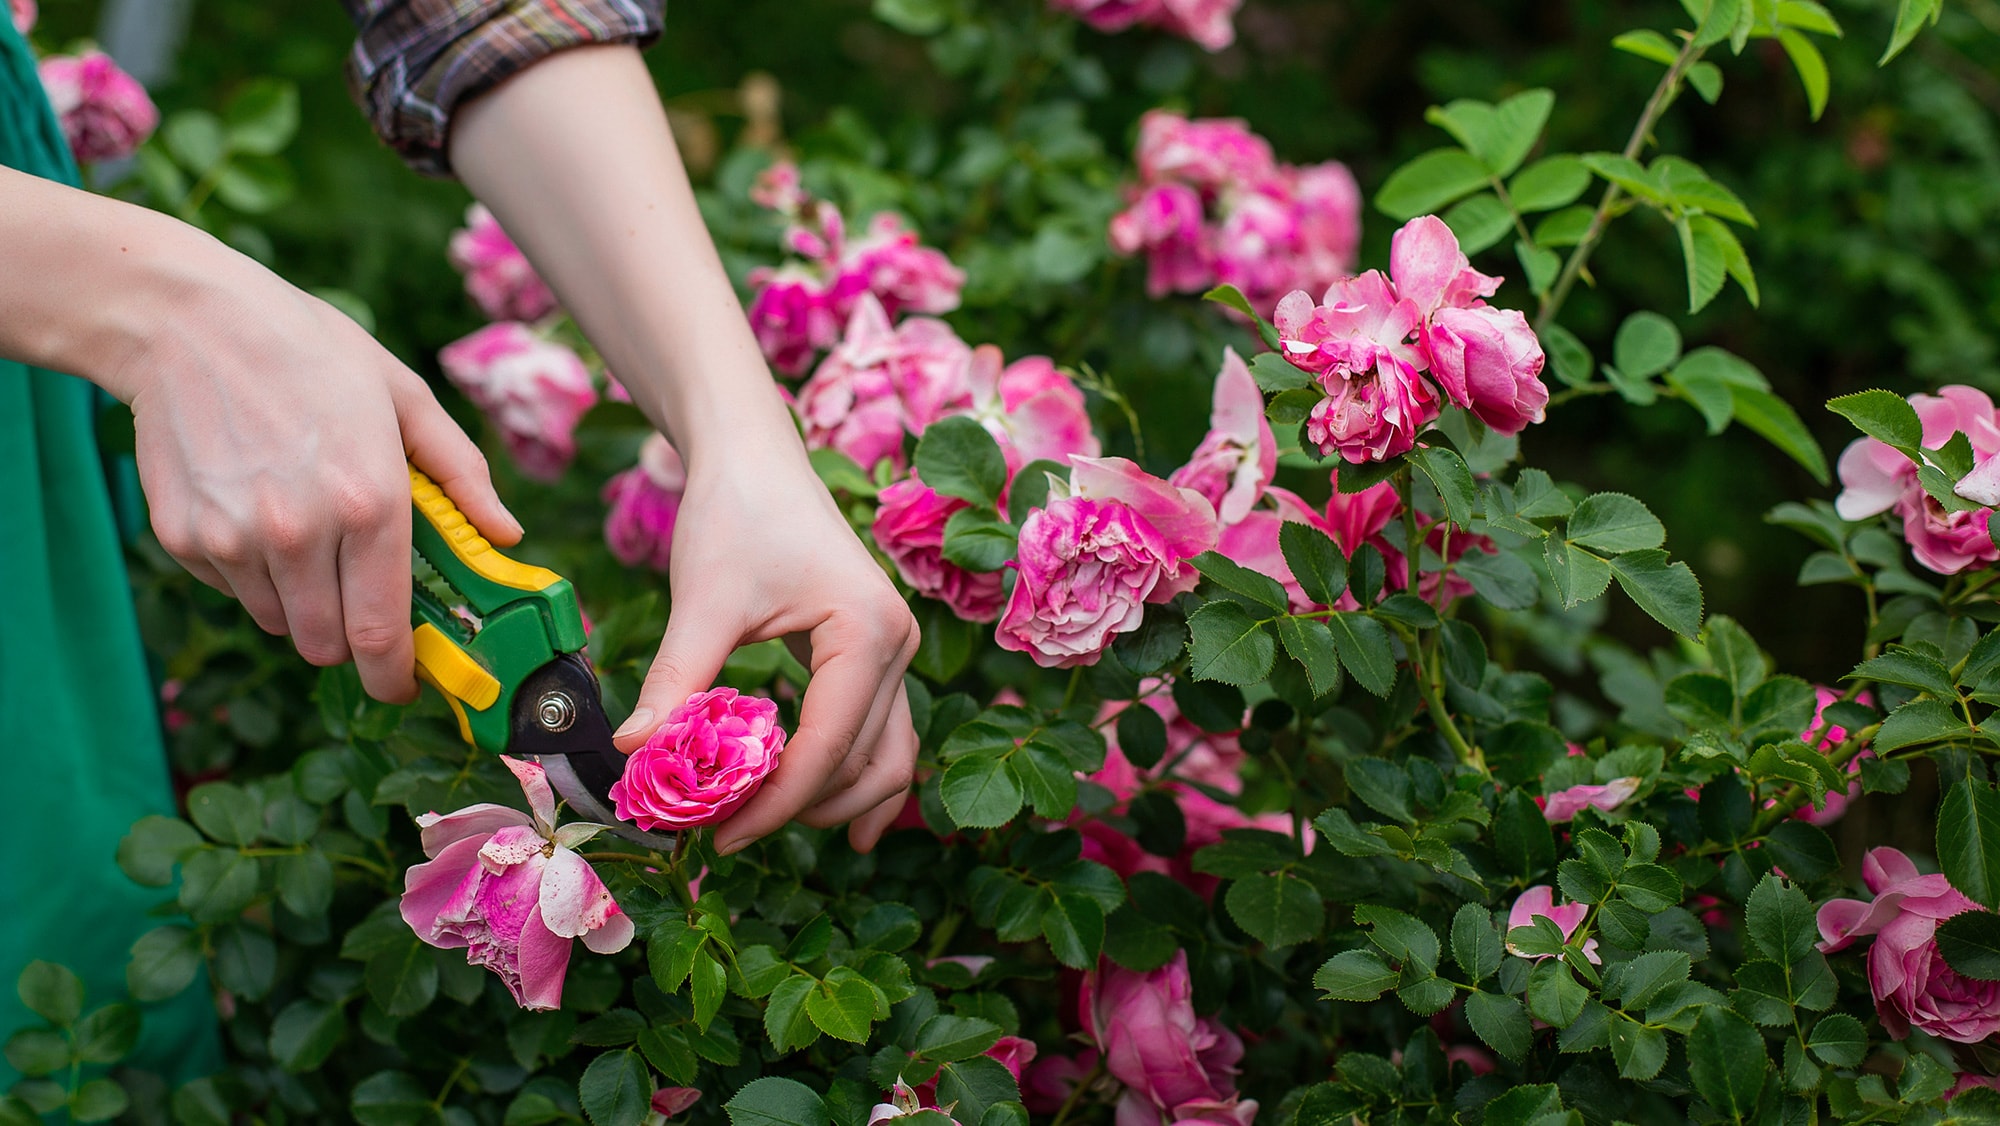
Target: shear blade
x,y
559,722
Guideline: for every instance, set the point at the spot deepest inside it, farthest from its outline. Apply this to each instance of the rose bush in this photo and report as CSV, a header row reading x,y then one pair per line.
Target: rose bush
x,y
1291,773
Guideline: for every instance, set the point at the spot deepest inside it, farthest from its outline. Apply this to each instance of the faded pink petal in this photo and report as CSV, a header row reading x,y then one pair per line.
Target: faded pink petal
x,y
1239,457
1431,271
1567,803
498,276
670,1102
1182,516
535,784
441,830
535,391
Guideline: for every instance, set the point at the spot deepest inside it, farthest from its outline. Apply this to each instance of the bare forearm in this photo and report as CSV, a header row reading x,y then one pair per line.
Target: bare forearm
x,y
89,280
575,159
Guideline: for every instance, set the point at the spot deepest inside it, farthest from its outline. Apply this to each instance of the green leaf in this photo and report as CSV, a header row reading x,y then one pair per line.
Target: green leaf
x,y
775,1101
1773,419
1811,66
1706,258
1639,1050
1910,667
1706,78
404,979
1401,936
1646,345
1229,645
1549,183
1356,975
1779,919
1569,357
1453,481
263,117
1911,17
1384,785
1614,523
52,992
225,812
155,844
1735,655
1539,264
973,1086
164,962
1839,1040
1522,837
1311,644
1647,44
978,541
196,139
1074,928
1142,735
1275,375
107,1035
1238,579
1554,995
1499,137
1626,173
1668,592
391,1098
1501,1023
980,792
914,17
1970,943
36,1052
1968,840
1430,182
1501,578
785,1021
842,1006
1807,15
946,1037
1364,649
1315,560
1920,721
1276,909
1475,946
1230,296
1479,222
1567,227
305,1033
1727,1061
956,457
1881,415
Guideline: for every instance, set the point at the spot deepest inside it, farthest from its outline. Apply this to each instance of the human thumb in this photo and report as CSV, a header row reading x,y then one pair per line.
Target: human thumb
x,y
437,446
698,641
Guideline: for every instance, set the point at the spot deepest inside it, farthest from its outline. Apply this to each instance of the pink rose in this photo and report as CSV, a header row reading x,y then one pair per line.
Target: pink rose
x,y
1540,900
1090,560
1875,479
1488,359
1256,241
1913,985
1172,1063
1353,519
512,891
644,500
1209,23
1430,271
1356,343
778,188
1563,805
534,390
498,277
909,528
671,1102
905,277
791,316
707,759
1253,542
1823,736
881,382
1165,221
1050,1079
23,13
1031,408
105,113
1206,153
1236,461
1109,15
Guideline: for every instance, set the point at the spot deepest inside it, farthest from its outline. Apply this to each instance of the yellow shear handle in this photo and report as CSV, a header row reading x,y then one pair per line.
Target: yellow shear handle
x,y
468,545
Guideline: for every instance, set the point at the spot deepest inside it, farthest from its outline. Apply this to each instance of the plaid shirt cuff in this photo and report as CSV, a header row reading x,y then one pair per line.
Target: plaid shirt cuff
x,y
416,60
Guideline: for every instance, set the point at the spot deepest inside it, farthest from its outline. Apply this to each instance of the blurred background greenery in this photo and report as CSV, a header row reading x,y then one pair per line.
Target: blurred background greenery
x,y
1878,253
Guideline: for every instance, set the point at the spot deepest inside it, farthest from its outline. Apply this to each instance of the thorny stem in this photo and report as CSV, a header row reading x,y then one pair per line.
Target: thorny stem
x,y
1433,697
1076,1092
1663,96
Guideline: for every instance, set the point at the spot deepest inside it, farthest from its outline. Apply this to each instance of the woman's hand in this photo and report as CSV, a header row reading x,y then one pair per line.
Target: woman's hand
x,y
761,551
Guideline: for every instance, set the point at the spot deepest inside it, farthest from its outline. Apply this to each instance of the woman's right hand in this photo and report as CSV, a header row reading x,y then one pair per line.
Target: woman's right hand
x,y
271,440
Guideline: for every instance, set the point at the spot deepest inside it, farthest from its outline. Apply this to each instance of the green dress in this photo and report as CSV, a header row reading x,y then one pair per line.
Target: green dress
x,y
79,732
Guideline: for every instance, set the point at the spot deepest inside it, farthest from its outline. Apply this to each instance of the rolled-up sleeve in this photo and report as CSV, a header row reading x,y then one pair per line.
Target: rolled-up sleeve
x,y
415,61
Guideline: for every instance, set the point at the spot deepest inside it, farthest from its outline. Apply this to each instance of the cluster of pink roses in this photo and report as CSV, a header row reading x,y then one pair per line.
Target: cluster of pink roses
x,y
1214,206
1370,340
1877,479
105,114
801,305
1209,23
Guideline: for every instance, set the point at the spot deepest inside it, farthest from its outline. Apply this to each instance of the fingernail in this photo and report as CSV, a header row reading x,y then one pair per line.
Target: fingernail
x,y
639,721
727,848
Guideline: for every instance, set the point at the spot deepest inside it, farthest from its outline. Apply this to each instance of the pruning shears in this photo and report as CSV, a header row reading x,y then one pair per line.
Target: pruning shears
x,y
502,641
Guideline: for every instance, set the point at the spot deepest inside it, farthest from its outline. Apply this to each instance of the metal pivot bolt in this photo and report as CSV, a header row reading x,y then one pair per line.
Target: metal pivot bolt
x,y
555,711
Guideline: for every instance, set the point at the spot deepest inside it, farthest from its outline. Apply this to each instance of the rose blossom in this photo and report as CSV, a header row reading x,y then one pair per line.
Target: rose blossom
x,y
534,390
671,1102
1913,986
1114,540
23,14
1254,542
1165,221
1172,1063
1875,478
644,500
792,316
705,761
909,528
1209,23
498,277
1355,342
904,276
105,113
1564,805
512,891
1236,461
1031,408
1541,900
880,382
1488,360
1206,153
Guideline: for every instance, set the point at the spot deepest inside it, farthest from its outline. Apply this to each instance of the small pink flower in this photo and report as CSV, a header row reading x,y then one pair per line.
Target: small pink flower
x,y
881,382
1563,805
1489,360
792,316
1875,478
23,14
672,1102
904,276
1430,271
1913,986
105,113
1090,560
909,528
1211,24
511,890
1540,901
498,277
1031,408
644,500
779,189
707,759
1172,1063
1356,342
533,389
1165,222
1206,153
1823,736
1235,463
